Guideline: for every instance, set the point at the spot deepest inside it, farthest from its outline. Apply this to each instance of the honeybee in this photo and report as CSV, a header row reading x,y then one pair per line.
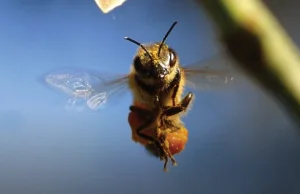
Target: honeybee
x,y
156,81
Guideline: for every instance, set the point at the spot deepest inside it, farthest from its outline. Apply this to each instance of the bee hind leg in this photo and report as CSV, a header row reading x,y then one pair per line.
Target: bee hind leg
x,y
165,153
162,154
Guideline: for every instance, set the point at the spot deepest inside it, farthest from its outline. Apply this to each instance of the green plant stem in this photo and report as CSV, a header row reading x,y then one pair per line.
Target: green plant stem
x,y
259,45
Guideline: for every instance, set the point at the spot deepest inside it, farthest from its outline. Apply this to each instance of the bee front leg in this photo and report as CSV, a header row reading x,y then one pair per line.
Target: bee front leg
x,y
182,106
174,94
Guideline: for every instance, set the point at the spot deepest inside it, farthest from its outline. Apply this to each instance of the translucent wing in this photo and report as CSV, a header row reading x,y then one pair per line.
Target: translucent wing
x,y
88,85
211,73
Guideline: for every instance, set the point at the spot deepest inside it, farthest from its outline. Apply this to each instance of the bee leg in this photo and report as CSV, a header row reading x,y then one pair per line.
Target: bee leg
x,y
144,113
152,150
149,117
173,110
172,127
155,150
163,154
163,146
160,149
169,124
165,164
174,94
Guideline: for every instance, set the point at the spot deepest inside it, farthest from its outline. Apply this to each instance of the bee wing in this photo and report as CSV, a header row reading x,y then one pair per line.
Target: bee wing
x,y
95,88
211,73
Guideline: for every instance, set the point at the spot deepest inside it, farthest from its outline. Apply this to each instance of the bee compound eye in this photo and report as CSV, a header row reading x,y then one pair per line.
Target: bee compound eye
x,y
140,68
172,58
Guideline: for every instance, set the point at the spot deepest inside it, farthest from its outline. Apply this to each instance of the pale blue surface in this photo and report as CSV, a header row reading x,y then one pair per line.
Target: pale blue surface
x,y
240,142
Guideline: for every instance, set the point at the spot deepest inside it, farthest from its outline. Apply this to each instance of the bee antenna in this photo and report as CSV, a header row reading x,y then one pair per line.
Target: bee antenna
x,y
166,36
139,44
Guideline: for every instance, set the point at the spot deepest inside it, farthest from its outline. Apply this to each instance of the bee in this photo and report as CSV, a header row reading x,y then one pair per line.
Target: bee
x,y
156,81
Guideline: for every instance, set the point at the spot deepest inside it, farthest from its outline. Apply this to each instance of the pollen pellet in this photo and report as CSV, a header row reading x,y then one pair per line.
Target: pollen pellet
x,y
177,140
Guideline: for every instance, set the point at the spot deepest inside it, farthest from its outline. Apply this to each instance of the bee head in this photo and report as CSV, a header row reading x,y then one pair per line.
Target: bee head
x,y
155,61
155,65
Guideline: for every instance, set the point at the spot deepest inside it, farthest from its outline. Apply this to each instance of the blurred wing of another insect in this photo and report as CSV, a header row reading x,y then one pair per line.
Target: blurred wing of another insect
x,y
215,72
81,85
108,5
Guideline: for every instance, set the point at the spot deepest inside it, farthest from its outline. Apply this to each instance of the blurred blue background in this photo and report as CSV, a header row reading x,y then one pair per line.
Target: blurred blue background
x,y
240,141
